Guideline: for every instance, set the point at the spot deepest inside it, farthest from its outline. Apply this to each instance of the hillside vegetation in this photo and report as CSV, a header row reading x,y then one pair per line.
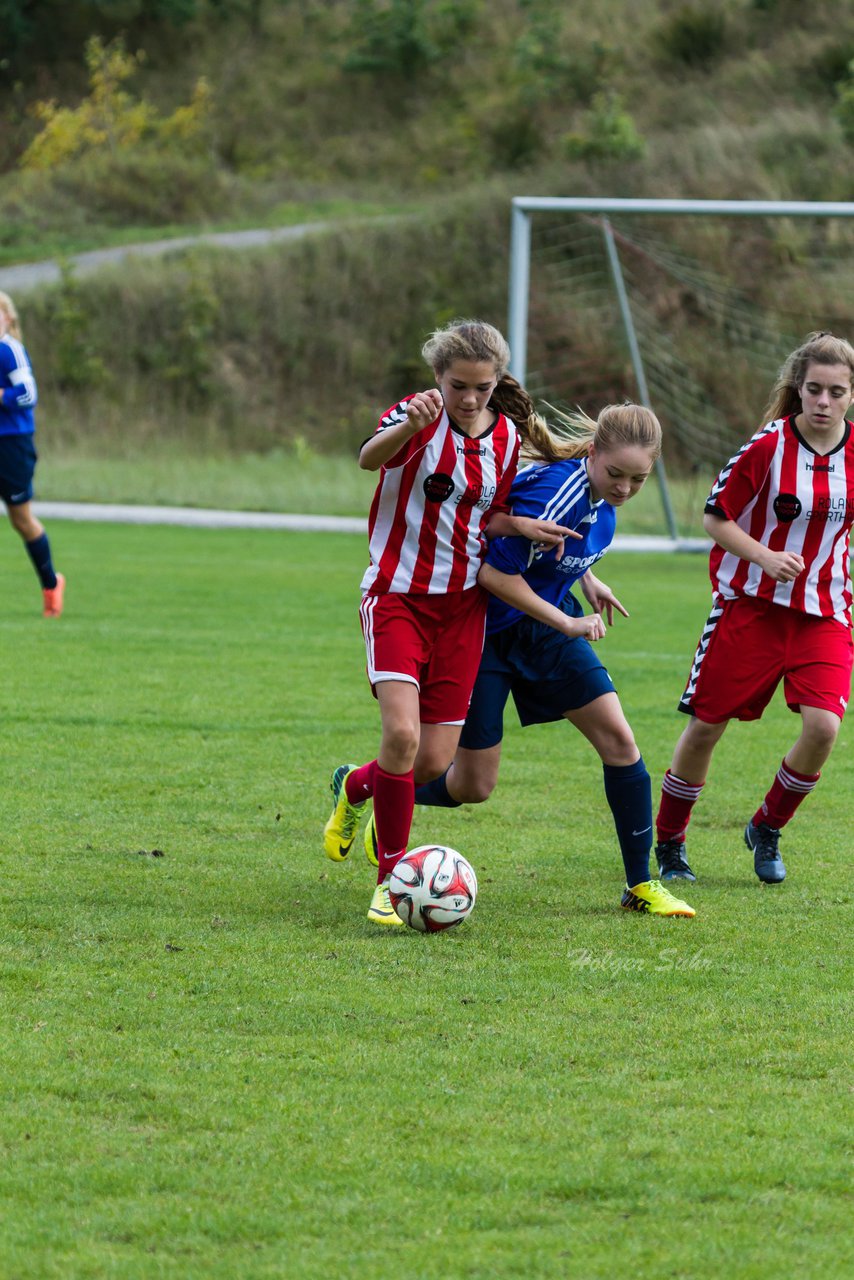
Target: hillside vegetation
x,y
427,114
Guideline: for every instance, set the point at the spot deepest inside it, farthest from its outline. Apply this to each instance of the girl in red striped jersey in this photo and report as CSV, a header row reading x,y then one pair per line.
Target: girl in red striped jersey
x,y
446,458
780,514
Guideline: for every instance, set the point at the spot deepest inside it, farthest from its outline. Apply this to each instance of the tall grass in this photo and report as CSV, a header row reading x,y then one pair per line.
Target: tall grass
x,y
248,350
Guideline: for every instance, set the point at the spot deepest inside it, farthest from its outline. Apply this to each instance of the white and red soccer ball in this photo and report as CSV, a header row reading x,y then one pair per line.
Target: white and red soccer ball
x,y
433,888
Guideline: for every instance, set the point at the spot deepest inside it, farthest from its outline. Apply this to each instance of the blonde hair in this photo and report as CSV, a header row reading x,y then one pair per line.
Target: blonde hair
x,y
817,348
615,426
9,309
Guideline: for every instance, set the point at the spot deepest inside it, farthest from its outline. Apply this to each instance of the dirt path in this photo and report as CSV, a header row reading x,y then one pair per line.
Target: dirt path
x,y
29,275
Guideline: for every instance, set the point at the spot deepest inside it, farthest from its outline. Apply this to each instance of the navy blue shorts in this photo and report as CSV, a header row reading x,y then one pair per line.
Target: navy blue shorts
x,y
547,673
17,464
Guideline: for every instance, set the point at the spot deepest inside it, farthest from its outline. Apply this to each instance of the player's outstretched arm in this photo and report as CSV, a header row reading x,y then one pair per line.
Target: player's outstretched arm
x,y
514,590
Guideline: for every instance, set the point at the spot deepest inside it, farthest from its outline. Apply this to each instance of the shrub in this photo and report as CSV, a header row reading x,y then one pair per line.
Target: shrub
x,y
845,105
693,36
515,137
139,187
832,65
75,364
610,135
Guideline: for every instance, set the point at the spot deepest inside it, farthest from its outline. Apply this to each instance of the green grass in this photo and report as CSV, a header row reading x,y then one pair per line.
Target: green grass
x,y
211,1065
285,479
295,480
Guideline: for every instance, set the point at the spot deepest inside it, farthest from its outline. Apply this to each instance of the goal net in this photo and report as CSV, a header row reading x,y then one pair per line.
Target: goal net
x,y
688,306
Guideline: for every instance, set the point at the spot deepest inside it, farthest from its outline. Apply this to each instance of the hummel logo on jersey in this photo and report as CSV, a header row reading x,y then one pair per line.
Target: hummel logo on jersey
x,y
820,466
473,451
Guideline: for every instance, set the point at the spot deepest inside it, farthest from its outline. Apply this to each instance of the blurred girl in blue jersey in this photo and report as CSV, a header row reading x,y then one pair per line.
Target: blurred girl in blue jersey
x,y
18,397
535,648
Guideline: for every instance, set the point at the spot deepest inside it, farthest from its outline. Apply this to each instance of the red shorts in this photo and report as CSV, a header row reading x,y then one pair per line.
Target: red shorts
x,y
432,641
748,646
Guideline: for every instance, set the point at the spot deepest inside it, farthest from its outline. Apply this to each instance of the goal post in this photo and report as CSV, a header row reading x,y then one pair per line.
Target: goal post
x,y
612,297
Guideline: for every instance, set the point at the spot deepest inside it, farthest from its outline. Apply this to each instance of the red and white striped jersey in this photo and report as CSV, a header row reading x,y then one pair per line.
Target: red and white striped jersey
x,y
789,498
433,500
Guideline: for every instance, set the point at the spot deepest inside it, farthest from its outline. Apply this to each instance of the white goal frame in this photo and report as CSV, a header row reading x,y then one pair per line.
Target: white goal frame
x,y
523,209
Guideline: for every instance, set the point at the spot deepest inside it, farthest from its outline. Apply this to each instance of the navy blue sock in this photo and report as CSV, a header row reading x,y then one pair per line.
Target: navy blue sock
x,y
39,552
629,793
436,793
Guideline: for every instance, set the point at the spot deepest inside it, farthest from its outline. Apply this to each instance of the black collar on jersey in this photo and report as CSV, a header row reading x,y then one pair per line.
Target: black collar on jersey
x,y
842,443
483,434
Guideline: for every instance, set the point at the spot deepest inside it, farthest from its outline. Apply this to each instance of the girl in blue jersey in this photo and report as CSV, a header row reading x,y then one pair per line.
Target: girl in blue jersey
x,y
18,396
538,639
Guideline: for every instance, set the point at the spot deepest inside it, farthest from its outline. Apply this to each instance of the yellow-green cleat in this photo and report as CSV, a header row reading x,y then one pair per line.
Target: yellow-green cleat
x,y
340,831
372,851
381,911
653,899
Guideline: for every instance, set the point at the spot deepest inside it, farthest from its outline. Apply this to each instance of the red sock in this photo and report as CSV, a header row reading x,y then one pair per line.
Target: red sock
x,y
788,790
678,798
360,783
394,804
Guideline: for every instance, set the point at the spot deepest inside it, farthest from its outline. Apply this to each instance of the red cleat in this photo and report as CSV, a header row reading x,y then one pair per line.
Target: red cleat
x,y
53,597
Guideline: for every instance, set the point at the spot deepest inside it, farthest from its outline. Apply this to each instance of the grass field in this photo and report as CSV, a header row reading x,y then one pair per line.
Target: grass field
x,y
211,1066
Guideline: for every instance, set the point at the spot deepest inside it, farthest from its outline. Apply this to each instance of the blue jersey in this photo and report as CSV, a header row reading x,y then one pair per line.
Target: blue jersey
x,y
557,491
18,394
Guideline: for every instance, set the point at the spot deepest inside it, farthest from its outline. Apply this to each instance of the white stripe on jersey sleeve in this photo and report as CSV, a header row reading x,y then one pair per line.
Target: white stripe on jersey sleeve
x,y
22,374
724,473
395,415
566,497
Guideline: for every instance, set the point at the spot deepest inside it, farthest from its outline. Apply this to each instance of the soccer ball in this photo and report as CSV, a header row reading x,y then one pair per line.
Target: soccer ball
x,y
432,888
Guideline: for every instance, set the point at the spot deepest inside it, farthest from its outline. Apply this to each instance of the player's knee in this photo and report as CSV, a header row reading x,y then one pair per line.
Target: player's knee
x,y
822,734
430,766
400,743
619,748
702,734
473,789
25,524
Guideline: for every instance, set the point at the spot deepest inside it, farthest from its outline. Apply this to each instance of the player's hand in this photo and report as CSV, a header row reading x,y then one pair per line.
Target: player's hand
x,y
545,534
782,566
590,627
424,408
601,598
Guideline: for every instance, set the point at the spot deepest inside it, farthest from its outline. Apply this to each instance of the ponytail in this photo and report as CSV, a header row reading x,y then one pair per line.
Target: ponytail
x,y
571,435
